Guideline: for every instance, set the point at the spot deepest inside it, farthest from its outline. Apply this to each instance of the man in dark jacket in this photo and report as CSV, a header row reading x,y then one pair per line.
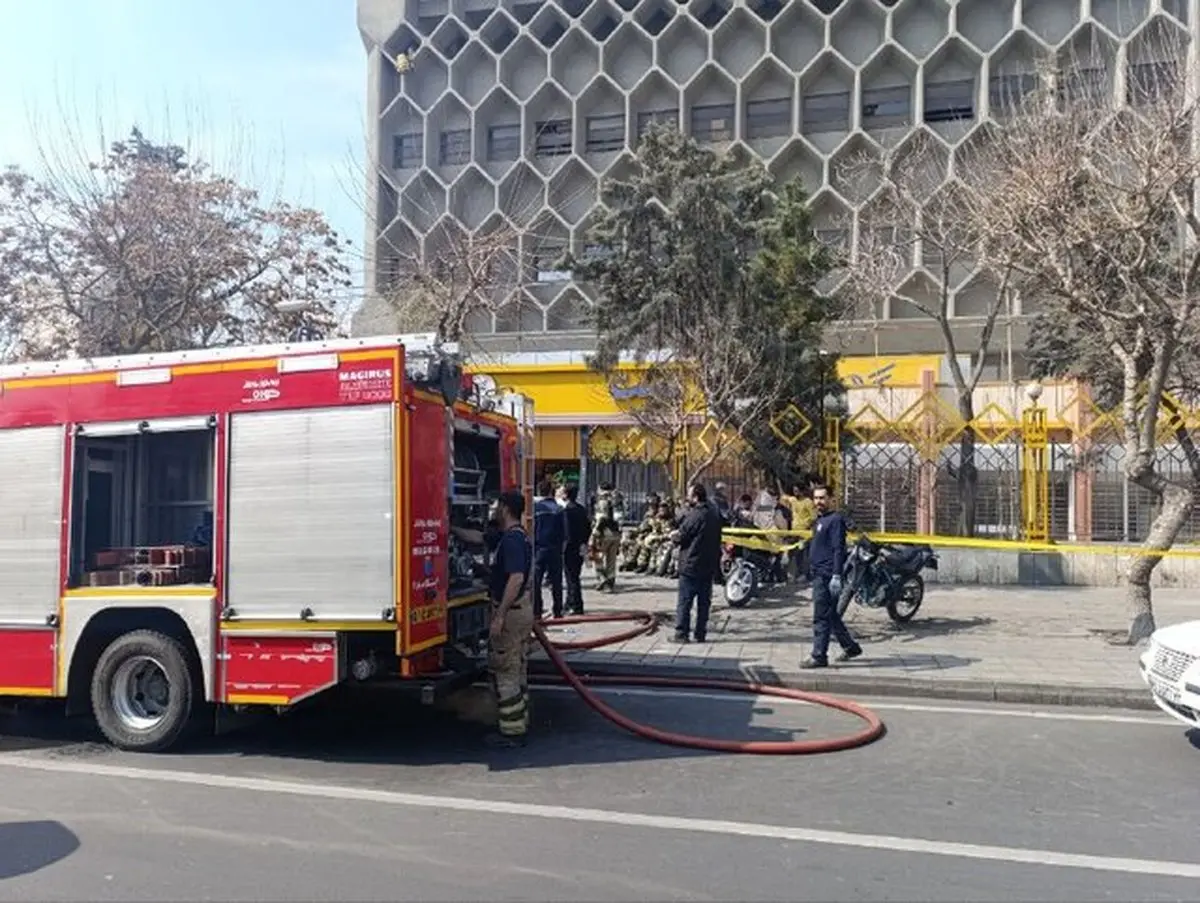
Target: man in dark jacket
x,y
827,557
578,532
549,534
721,502
699,538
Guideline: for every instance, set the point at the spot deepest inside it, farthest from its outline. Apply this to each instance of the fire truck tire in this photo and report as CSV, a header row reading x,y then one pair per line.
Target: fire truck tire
x,y
144,692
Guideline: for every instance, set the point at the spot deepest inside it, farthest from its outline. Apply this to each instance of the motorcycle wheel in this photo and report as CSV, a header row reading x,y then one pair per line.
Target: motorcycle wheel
x,y
912,594
740,585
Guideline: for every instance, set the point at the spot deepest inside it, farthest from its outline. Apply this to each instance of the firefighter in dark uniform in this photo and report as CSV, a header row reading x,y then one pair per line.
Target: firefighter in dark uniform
x,y
510,634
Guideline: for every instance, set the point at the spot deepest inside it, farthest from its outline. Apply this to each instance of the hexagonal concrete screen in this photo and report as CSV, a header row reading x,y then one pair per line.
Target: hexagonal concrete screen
x,y
511,112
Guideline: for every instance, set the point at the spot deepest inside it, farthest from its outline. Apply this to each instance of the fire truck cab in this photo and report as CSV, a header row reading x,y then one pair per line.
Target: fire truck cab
x,y
244,526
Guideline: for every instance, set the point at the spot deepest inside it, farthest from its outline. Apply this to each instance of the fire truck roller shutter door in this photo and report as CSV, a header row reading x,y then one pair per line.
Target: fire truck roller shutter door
x,y
311,524
31,489
31,497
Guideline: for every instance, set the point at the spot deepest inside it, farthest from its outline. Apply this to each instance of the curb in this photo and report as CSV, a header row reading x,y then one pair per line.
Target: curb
x,y
843,684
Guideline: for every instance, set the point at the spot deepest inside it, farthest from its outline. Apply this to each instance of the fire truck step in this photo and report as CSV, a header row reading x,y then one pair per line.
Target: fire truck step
x,y
434,692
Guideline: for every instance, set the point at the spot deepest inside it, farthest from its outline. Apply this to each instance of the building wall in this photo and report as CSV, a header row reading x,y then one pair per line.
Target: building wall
x,y
513,111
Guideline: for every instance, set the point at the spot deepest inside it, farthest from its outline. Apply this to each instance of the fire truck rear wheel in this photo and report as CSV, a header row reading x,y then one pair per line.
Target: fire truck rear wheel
x,y
144,692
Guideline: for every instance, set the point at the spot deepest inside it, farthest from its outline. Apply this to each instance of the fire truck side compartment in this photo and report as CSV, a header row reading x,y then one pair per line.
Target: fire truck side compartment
x,y
31,474
310,512
31,470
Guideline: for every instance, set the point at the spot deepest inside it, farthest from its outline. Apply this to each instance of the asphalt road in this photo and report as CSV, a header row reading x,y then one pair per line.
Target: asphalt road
x,y
386,800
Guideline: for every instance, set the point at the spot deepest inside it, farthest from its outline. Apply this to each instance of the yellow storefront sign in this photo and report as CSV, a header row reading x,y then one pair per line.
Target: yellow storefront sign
x,y
898,371
559,391
569,392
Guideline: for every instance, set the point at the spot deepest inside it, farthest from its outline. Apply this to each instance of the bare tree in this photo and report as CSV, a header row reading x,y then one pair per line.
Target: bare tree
x,y
916,245
707,403
146,249
458,278
1091,197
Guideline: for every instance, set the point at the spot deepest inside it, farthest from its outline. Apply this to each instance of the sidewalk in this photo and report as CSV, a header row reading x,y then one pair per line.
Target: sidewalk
x,y
1039,646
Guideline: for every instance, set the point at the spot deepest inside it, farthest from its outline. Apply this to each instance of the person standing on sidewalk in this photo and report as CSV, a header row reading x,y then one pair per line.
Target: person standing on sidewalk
x,y
826,558
699,538
606,538
578,532
721,502
804,513
549,534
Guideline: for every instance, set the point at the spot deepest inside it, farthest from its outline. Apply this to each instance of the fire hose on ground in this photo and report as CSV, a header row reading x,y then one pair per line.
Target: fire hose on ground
x,y
646,623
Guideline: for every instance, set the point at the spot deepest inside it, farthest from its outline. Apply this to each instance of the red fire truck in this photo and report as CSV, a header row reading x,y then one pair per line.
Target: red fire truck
x,y
244,526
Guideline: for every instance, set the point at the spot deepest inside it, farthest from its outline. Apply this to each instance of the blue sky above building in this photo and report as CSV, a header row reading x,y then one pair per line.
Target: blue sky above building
x,y
270,90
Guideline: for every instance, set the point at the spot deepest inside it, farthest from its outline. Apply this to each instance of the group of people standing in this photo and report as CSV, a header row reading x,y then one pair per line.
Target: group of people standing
x,y
565,536
820,560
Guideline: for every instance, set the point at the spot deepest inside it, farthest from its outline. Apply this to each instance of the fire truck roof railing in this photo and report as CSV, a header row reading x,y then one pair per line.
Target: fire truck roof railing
x,y
413,343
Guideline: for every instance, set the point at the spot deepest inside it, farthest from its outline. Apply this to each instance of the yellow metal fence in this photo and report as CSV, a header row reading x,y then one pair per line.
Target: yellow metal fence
x,y
1047,468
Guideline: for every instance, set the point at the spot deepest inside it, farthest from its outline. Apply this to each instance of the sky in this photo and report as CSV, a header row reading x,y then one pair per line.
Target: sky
x,y
270,91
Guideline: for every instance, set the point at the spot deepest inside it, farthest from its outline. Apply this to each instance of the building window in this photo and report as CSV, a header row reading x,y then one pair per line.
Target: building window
x,y
545,263
605,133
834,239
667,118
713,122
391,272
407,151
825,113
950,101
553,138
503,143
769,118
454,147
886,107
1088,86
1007,92
1150,83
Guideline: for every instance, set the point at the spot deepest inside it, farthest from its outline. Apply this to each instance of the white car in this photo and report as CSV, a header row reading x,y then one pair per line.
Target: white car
x,y
1171,668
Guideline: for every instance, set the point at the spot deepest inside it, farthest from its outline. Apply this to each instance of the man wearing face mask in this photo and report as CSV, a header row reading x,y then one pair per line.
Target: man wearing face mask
x,y
511,560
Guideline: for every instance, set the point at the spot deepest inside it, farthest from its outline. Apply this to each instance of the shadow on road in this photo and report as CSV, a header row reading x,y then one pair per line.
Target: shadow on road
x,y
385,726
390,727
30,846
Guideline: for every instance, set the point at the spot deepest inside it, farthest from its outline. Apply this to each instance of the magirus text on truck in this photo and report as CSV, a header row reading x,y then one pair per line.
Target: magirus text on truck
x,y
244,526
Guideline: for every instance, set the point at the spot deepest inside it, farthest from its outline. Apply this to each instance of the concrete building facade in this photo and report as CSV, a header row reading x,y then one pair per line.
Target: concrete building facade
x,y
508,114
513,111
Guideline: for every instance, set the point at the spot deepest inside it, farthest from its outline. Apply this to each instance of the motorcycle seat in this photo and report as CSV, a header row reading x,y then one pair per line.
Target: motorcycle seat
x,y
905,556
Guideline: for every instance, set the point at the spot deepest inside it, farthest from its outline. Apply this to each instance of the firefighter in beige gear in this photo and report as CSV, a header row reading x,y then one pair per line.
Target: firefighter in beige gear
x,y
510,634
606,538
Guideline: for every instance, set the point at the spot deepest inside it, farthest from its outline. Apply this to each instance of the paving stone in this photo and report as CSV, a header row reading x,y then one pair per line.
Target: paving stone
x,y
1016,644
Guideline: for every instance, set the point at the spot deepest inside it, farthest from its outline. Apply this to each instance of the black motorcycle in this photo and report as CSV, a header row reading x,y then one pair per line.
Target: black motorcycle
x,y
743,571
886,576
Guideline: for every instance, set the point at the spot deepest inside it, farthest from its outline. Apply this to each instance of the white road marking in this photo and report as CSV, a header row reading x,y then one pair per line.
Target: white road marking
x,y
1042,714
1010,855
